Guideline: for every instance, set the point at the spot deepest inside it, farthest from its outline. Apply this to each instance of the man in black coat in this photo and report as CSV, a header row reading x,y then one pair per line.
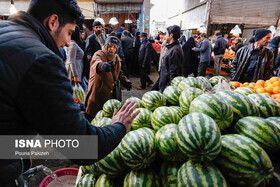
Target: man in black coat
x,y
172,64
36,94
219,50
145,53
127,46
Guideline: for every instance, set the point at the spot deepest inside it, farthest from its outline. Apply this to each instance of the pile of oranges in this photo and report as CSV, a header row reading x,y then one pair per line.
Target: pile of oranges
x,y
229,54
269,87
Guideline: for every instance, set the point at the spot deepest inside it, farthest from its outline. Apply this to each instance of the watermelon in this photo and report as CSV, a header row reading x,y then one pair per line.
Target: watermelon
x,y
137,100
263,132
275,121
177,80
164,115
168,173
138,148
178,110
198,174
187,96
244,162
105,181
268,106
167,145
109,106
142,178
103,122
206,82
215,80
192,82
245,90
112,165
215,107
199,137
143,119
88,169
99,114
172,94
153,99
242,105
87,180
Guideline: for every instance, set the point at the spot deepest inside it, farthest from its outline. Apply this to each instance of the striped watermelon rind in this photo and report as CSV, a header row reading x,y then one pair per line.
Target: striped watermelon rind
x,y
164,115
178,110
153,99
268,106
263,132
245,90
206,82
244,162
192,82
141,178
109,106
172,94
187,96
86,180
215,80
99,114
176,81
137,100
275,120
168,173
199,137
138,148
242,105
105,181
143,119
215,107
167,144
103,122
194,173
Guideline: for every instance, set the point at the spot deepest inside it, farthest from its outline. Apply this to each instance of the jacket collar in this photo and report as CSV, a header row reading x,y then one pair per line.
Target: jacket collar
x,y
172,44
28,20
145,41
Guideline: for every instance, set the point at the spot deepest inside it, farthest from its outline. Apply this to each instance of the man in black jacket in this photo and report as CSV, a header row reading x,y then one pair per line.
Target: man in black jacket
x,y
145,53
219,50
173,60
127,46
36,94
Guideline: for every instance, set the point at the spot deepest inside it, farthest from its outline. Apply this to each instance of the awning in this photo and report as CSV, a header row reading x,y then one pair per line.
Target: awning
x,y
118,1
110,8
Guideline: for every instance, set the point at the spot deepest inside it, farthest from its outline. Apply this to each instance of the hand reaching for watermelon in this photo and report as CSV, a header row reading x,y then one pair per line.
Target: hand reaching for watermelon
x,y
124,115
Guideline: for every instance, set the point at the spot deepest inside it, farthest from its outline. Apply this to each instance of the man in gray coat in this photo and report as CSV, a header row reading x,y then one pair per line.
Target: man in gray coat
x,y
205,54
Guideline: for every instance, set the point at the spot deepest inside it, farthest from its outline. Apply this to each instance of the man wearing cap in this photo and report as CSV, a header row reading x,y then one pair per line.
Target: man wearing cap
x,y
254,62
101,81
145,53
219,50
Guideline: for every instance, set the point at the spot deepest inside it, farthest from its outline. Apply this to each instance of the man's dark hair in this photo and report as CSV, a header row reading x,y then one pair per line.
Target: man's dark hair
x,y
203,35
97,23
68,11
175,30
122,25
126,33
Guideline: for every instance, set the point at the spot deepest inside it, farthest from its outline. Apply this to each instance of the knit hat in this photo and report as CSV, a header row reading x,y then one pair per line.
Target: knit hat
x,y
252,40
144,34
218,34
261,33
113,40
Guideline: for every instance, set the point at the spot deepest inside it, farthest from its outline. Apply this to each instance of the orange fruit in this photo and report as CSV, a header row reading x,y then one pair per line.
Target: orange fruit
x,y
269,88
260,82
276,96
246,83
276,89
252,85
276,83
235,84
278,100
260,90
273,79
266,93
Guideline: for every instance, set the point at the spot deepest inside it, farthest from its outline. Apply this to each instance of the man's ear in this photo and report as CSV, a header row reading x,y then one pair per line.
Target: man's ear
x,y
52,22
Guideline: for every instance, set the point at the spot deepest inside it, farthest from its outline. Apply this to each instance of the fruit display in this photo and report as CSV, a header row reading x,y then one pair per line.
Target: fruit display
x,y
229,54
194,135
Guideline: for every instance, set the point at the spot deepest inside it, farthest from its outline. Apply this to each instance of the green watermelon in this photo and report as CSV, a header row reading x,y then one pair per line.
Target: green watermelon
x,y
176,81
199,137
198,174
215,107
164,115
142,178
215,80
138,148
137,100
264,133
153,99
87,180
245,90
172,94
167,145
187,96
103,122
275,121
109,106
268,106
99,114
168,173
192,82
206,82
105,181
88,169
178,110
244,162
242,105
112,165
143,119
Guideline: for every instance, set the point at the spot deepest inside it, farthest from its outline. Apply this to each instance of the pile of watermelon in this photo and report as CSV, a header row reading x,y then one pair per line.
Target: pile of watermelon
x,y
191,136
